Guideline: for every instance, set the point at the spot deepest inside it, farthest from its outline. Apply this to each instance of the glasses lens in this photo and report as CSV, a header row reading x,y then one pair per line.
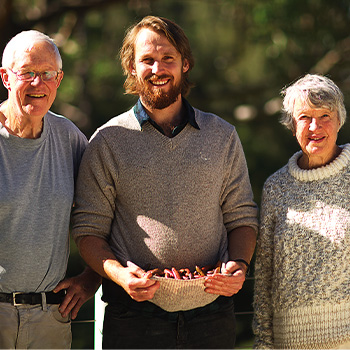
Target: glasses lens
x,y
49,75
27,76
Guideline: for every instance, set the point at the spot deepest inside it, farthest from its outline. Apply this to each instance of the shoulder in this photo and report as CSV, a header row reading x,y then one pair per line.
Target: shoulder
x,y
124,121
215,129
64,128
212,121
61,122
277,180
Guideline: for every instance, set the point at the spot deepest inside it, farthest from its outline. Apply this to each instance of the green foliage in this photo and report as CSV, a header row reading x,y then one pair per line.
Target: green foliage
x,y
246,51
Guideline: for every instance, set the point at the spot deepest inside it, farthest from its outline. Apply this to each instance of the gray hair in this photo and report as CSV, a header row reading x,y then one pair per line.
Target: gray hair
x,y
24,41
318,92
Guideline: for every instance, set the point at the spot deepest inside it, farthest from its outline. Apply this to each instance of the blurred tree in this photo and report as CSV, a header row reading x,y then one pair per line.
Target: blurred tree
x,y
245,51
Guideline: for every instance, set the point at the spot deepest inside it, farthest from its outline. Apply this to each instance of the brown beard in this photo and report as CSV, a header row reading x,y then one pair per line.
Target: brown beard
x,y
157,98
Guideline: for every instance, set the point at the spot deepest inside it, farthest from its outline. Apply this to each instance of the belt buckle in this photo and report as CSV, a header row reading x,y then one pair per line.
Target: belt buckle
x,y
14,298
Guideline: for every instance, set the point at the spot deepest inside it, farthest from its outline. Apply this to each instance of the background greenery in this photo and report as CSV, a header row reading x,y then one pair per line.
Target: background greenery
x,y
245,51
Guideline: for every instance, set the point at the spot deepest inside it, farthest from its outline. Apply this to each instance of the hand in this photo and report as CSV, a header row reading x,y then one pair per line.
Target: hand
x,y
97,252
132,279
79,289
227,285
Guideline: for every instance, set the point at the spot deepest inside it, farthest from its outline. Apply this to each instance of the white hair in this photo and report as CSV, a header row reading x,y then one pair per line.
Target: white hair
x,y
24,41
318,92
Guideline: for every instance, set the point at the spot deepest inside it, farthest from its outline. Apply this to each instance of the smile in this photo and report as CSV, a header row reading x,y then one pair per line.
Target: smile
x,y
157,81
36,95
316,139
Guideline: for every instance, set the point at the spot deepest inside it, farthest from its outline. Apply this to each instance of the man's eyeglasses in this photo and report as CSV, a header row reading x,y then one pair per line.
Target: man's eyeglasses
x,y
50,75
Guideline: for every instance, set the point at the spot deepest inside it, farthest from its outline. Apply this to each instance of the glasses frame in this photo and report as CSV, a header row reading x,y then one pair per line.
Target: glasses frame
x,y
18,76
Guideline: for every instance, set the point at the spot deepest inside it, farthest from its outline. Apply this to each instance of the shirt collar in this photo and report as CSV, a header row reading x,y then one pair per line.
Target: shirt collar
x,y
143,117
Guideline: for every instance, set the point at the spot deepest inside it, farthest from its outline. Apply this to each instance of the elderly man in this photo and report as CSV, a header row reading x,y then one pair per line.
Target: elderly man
x,y
164,185
40,154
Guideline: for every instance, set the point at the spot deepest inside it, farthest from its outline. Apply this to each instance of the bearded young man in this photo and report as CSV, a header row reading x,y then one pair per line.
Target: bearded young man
x,y
164,185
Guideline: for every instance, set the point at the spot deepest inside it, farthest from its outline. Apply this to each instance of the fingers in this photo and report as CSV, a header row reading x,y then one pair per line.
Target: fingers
x,y
79,289
66,306
76,295
75,309
146,293
71,304
233,266
69,301
136,270
135,284
229,267
60,286
225,285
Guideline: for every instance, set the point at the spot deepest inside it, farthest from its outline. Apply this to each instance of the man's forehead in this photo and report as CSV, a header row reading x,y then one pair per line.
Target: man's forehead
x,y
148,38
33,48
39,52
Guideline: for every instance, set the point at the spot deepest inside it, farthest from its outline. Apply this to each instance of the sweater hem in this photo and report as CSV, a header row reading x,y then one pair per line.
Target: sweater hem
x,y
324,325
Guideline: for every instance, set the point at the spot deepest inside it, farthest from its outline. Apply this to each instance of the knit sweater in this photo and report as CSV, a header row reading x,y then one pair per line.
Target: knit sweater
x,y
302,288
163,202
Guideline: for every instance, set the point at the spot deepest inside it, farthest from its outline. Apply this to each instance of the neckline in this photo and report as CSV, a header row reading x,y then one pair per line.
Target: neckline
x,y
166,139
26,142
320,173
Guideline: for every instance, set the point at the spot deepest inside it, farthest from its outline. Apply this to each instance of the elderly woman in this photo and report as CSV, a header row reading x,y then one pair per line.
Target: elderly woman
x,y
302,290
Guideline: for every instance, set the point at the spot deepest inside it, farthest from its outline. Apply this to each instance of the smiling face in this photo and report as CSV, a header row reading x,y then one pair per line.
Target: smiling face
x,y
158,68
32,99
316,130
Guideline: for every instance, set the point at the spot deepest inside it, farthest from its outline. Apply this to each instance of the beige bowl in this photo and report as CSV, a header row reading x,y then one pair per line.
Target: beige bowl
x,y
181,295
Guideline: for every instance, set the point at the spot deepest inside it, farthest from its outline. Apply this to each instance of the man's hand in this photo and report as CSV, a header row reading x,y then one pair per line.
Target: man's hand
x,y
229,282
132,279
98,254
79,289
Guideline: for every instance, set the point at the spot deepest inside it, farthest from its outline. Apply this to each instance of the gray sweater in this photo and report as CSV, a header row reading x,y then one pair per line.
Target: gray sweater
x,y
302,289
36,197
160,201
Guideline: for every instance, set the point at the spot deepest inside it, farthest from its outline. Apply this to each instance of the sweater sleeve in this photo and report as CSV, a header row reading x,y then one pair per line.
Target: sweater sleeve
x,y
263,314
95,191
238,206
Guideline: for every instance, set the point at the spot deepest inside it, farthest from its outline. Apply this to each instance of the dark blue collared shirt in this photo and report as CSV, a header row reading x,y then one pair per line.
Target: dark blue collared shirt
x,y
143,117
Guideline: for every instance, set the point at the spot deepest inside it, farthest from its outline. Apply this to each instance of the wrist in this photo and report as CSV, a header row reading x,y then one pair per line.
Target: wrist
x,y
245,263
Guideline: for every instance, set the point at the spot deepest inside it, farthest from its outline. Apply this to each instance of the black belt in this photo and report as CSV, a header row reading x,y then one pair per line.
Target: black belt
x,y
32,298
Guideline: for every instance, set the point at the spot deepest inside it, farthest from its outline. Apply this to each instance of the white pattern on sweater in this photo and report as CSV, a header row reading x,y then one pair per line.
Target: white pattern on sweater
x,y
302,289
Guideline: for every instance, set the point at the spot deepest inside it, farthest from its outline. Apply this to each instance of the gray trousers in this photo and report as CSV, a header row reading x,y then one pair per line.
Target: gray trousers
x,y
33,327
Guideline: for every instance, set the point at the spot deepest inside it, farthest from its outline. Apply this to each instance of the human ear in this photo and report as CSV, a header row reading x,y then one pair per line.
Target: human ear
x,y
5,78
59,78
185,66
132,69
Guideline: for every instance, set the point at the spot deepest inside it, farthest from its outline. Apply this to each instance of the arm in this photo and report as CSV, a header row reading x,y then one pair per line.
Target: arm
x,y
240,218
241,245
92,219
98,254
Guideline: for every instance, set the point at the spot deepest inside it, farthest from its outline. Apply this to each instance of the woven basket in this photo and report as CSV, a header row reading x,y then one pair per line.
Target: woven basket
x,y
181,295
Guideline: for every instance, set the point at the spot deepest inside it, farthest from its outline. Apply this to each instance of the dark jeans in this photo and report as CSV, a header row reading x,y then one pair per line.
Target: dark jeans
x,y
132,325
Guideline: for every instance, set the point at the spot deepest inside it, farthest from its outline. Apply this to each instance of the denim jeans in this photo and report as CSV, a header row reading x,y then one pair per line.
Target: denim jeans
x,y
146,326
